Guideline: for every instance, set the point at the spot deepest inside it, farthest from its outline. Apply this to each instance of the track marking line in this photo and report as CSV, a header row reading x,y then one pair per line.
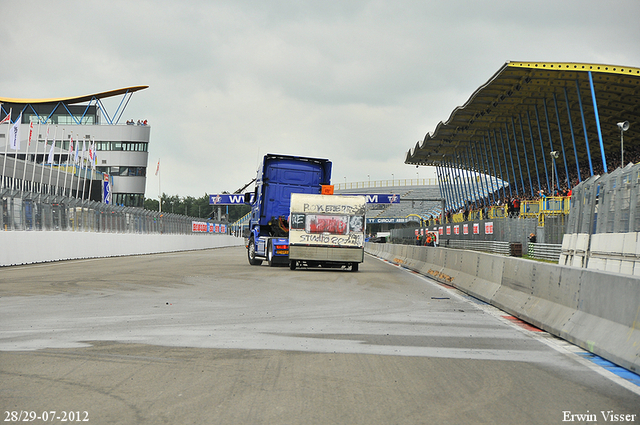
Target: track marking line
x,y
560,345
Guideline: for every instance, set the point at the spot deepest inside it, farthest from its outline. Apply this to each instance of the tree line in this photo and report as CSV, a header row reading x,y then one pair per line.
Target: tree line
x,y
196,207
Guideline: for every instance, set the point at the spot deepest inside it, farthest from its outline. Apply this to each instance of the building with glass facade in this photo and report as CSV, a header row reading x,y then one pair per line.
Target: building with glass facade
x,y
121,148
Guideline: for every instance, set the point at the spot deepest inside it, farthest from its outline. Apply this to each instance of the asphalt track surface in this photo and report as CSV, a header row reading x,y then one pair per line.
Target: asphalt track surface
x,y
204,338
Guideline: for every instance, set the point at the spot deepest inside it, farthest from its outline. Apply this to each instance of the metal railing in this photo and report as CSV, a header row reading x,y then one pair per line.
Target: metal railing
x,y
548,206
545,251
386,183
35,212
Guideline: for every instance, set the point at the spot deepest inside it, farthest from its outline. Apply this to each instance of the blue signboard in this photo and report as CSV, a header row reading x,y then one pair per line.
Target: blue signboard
x,y
380,198
106,190
387,220
238,199
227,199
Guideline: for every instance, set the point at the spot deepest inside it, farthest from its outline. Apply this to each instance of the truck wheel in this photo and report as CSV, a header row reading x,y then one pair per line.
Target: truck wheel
x,y
292,264
270,255
354,267
251,253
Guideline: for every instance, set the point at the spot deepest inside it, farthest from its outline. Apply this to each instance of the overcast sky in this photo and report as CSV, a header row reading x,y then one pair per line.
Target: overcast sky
x,y
357,82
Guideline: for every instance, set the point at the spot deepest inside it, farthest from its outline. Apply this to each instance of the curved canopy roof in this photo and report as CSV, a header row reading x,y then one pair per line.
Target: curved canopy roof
x,y
554,100
76,99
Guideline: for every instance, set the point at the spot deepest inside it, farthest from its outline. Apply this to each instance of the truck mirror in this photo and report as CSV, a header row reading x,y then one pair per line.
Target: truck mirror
x,y
247,198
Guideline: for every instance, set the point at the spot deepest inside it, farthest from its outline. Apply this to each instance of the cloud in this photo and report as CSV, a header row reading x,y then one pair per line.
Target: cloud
x,y
358,82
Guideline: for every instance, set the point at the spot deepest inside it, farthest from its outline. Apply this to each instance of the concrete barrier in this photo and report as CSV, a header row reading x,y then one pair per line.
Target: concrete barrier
x,y
594,309
25,247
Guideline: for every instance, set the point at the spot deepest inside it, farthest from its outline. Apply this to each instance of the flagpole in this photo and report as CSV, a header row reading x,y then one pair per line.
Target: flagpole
x,y
59,159
75,166
15,155
35,158
79,166
6,146
66,167
92,154
85,171
52,157
159,191
44,153
26,155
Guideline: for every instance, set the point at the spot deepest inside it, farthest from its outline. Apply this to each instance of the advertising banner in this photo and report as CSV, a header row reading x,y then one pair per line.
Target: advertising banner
x,y
327,220
227,199
199,226
238,199
488,228
106,190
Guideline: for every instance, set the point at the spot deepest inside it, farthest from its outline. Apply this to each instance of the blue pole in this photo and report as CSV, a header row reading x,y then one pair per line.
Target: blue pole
x,y
526,157
513,168
573,139
482,167
544,157
584,127
443,192
459,185
515,143
533,149
553,168
463,186
564,156
470,171
493,175
495,139
474,160
595,111
447,186
454,188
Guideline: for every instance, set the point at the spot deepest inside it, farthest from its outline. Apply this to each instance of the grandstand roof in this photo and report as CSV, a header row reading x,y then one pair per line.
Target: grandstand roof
x,y
547,94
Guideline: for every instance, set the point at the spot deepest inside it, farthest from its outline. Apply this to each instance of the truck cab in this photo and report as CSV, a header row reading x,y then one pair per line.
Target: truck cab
x,y
278,177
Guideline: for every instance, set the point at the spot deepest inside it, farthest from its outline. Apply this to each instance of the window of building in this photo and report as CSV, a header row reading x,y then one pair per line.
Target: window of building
x,y
129,199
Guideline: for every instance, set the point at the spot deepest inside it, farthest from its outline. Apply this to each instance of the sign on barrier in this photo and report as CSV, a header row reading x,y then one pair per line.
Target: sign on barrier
x,y
238,199
488,228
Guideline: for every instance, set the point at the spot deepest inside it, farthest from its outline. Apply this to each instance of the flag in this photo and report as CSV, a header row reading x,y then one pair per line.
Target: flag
x,y
14,135
30,132
50,159
158,167
92,155
77,149
70,144
7,118
83,149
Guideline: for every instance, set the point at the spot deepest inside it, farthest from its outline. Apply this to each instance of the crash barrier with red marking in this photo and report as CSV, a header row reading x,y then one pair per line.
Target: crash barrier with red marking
x,y
596,310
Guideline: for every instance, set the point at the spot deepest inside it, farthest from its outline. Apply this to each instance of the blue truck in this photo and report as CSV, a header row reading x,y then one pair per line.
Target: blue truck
x,y
278,177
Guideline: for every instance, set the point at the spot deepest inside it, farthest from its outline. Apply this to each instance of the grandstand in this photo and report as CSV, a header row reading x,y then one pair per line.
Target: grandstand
x,y
417,209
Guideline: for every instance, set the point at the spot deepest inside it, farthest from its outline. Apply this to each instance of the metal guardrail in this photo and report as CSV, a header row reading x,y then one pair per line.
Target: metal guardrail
x,y
35,212
548,206
545,251
497,247
386,183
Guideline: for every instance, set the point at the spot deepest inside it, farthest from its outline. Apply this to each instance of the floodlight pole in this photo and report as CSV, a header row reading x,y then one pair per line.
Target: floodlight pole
x,y
621,148
553,172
